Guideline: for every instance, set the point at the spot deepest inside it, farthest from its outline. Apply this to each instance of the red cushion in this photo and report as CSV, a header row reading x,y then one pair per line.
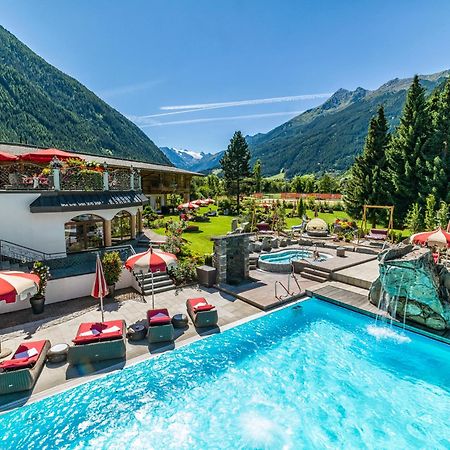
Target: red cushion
x,y
204,308
89,326
152,320
193,302
197,304
22,363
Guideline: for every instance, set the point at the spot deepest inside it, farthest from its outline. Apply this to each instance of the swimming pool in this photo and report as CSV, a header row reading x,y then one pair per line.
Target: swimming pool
x,y
281,261
314,376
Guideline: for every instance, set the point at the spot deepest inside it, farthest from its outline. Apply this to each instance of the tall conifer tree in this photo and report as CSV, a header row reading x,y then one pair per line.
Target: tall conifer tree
x,y
368,182
406,153
235,165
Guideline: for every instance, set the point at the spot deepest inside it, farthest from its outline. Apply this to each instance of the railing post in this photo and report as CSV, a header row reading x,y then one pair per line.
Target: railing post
x,y
139,180
105,177
131,178
55,165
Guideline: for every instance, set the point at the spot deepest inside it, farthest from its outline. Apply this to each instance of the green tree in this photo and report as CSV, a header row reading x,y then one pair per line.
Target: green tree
x,y
430,218
368,182
235,165
301,208
413,219
406,152
257,175
442,215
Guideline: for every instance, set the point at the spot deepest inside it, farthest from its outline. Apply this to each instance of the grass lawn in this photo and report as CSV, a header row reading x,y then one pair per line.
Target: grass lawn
x,y
200,242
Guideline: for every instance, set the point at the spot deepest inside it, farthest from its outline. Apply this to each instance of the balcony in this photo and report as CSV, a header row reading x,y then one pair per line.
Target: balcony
x,y
68,176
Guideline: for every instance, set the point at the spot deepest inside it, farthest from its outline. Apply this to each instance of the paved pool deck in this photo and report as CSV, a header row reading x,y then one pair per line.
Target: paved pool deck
x,y
62,329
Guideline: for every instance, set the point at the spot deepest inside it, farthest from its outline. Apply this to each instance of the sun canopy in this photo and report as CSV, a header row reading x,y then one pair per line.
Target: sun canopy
x,y
45,156
189,205
16,285
151,261
438,238
6,157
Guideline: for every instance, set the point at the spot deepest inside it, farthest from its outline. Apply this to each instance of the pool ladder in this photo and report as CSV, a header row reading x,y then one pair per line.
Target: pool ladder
x,y
288,288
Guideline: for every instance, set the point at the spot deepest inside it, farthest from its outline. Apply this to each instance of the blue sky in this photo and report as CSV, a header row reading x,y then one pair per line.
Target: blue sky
x,y
192,72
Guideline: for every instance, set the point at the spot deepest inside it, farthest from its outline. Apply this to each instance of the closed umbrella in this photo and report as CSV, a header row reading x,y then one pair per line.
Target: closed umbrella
x,y
149,262
100,288
15,286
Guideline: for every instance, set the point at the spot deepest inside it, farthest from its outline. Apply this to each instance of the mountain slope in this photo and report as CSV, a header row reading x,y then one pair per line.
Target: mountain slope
x,y
43,106
184,159
329,137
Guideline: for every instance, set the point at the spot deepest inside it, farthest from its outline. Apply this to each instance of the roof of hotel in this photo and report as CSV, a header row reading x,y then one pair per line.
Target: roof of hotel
x,y
20,149
80,201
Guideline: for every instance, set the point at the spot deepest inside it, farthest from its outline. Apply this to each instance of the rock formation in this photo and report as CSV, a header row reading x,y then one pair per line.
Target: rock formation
x,y
412,287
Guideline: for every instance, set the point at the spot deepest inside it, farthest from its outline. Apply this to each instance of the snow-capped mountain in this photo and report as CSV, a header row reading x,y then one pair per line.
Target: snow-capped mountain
x,y
188,159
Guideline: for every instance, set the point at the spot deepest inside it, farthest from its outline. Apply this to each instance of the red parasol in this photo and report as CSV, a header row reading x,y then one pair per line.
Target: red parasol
x,y
7,157
45,156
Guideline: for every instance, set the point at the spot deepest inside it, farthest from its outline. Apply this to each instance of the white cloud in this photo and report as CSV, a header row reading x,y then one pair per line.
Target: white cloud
x,y
153,123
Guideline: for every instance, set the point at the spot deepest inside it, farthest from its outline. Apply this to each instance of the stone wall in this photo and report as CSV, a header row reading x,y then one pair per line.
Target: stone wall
x,y
231,254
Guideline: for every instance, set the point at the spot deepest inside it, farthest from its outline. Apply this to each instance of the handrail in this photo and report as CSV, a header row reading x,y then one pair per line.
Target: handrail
x,y
18,251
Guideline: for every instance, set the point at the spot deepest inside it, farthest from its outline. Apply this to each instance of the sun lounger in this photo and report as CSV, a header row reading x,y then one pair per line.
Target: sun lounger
x,y
98,342
160,328
201,312
377,235
21,372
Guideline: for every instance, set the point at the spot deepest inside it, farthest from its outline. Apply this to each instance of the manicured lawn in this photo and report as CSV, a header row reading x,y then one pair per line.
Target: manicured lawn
x,y
200,242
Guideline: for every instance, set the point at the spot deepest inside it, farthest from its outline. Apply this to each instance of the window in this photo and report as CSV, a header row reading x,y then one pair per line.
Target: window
x,y
84,232
121,227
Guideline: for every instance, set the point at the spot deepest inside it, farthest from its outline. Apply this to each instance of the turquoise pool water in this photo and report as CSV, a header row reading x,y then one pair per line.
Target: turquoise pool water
x,y
292,255
317,376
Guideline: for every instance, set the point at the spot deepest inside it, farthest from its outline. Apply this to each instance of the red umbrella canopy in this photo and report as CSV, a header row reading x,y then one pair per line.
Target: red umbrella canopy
x,y
439,238
45,156
17,285
151,261
189,205
6,157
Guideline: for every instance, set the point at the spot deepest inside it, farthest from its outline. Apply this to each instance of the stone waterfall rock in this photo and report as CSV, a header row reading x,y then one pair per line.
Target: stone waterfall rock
x,y
413,287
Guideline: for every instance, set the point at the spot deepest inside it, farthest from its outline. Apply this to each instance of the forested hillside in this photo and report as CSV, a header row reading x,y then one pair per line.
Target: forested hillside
x,y
329,137
45,107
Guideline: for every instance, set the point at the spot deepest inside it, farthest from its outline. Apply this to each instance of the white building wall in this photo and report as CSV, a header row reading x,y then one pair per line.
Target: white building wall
x,y
69,288
40,231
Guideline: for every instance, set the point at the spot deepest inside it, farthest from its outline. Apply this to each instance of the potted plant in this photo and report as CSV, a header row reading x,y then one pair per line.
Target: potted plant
x,y
112,268
38,301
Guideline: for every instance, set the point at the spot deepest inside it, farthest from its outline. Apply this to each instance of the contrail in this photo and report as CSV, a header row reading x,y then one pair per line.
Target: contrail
x,y
153,123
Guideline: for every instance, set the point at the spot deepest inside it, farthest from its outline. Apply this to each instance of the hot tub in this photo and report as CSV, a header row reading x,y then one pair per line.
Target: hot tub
x,y
281,261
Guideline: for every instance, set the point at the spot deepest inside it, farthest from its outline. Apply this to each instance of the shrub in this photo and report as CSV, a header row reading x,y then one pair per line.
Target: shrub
x,y
112,267
43,272
184,272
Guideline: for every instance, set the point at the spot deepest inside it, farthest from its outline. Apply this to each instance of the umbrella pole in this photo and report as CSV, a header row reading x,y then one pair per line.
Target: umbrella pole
x,y
153,291
101,307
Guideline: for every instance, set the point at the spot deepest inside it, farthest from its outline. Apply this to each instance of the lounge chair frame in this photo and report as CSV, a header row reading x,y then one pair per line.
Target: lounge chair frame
x,y
23,379
202,319
98,351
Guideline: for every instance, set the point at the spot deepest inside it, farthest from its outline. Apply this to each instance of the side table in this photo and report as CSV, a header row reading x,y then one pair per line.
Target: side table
x,y
179,320
136,332
57,353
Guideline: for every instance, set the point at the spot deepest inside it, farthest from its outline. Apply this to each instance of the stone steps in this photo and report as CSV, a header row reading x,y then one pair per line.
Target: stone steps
x,y
161,282
253,262
315,274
